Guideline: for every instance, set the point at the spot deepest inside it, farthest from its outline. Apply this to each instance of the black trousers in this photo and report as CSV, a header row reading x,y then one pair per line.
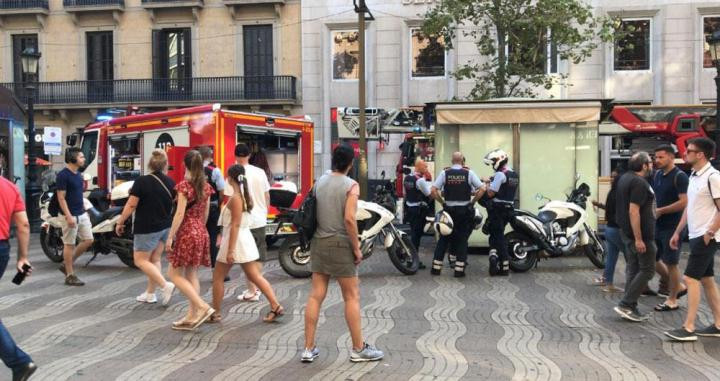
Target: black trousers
x,y
462,217
213,230
497,220
416,219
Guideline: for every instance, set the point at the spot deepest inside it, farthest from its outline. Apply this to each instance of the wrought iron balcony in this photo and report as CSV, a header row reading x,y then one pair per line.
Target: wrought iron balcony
x,y
172,3
232,90
93,5
9,7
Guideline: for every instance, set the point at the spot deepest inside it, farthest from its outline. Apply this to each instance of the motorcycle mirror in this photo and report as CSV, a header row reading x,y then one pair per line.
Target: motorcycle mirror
x,y
539,196
577,176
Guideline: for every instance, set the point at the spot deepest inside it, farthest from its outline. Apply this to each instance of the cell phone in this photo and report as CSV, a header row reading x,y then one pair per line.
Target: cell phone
x,y
20,276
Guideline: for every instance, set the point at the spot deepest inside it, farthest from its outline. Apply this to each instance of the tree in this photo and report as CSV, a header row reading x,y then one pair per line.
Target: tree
x,y
513,38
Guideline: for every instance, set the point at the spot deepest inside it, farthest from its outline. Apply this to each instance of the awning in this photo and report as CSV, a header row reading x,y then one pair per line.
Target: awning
x,y
518,112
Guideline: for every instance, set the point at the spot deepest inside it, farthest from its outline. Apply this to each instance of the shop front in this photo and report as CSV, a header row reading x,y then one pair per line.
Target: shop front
x,y
12,139
549,143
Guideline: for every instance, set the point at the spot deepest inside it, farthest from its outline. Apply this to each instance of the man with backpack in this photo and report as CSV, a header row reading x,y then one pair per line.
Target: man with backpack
x,y
216,181
670,186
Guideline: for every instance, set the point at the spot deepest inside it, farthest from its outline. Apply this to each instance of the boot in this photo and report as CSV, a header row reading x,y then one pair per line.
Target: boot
x,y
493,259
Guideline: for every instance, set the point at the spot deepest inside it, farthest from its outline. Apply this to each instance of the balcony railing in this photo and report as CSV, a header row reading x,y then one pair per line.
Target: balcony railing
x,y
93,3
245,90
171,2
23,4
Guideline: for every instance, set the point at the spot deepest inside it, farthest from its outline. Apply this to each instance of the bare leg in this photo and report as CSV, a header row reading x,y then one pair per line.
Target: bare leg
x,y
188,289
351,296
191,275
68,258
674,284
252,272
662,270
713,297
693,286
312,309
218,283
145,262
252,287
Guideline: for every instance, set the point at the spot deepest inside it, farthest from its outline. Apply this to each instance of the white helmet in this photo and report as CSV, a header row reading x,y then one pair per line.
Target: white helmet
x,y
496,158
443,223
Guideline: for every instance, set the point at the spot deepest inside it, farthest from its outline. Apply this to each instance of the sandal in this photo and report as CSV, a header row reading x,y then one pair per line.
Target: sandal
x,y
183,325
663,307
204,317
599,282
274,314
215,318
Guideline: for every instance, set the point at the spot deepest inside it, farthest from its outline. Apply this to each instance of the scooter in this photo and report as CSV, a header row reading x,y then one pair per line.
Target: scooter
x,y
560,228
106,241
375,222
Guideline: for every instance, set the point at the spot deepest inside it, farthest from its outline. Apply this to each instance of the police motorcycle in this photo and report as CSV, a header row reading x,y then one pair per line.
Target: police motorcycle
x,y
560,228
375,221
106,241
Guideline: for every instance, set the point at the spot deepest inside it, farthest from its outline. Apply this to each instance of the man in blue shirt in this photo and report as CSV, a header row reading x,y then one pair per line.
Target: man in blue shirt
x,y
75,222
670,186
458,186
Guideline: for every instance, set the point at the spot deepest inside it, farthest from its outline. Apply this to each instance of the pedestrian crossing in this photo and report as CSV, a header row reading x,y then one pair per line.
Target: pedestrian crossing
x,y
547,324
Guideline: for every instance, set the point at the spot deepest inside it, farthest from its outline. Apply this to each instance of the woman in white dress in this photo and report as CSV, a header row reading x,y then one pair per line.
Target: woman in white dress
x,y
238,246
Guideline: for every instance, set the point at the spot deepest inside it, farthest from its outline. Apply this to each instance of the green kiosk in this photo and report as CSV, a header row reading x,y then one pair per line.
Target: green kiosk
x,y
549,142
12,139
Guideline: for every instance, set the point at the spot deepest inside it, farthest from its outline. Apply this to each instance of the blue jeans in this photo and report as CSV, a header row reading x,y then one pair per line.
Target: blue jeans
x,y
613,247
11,355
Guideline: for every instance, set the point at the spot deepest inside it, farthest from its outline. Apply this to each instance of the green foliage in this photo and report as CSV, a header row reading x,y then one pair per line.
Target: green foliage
x,y
523,27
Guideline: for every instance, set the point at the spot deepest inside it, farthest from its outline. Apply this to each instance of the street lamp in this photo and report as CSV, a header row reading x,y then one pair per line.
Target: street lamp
x,y
30,59
713,41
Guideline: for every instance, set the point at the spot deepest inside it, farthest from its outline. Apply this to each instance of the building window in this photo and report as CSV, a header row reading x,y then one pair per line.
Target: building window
x,y
172,61
538,60
21,42
710,24
632,51
428,55
345,55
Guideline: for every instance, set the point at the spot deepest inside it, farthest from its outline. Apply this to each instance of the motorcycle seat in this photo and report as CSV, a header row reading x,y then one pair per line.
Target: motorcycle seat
x,y
547,216
97,216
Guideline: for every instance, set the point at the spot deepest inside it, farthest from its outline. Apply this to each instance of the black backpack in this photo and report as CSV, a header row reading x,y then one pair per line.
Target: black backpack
x,y
306,219
54,207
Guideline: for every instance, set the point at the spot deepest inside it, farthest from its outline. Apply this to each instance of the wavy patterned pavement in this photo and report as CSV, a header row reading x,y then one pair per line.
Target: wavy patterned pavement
x,y
520,342
548,324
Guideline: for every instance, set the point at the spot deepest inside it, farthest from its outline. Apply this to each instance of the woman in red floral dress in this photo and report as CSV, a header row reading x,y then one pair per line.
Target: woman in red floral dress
x,y
188,241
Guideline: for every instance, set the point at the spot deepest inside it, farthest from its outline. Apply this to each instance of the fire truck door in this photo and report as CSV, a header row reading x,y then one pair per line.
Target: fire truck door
x,y
164,139
176,165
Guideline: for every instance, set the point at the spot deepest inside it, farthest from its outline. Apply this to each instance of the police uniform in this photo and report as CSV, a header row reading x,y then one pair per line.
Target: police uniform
x,y
215,179
505,184
417,204
458,185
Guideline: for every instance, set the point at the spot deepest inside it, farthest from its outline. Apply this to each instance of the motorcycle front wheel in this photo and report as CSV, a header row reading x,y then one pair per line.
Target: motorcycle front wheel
x,y
403,254
594,249
520,262
293,259
52,244
127,258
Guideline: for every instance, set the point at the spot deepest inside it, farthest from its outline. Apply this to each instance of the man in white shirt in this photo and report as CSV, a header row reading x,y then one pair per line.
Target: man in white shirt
x,y
259,188
702,217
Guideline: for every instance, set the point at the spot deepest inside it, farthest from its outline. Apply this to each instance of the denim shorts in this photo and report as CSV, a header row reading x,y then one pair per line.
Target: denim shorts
x,y
148,242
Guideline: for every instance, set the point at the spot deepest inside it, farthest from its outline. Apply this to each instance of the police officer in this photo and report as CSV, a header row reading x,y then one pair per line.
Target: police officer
x,y
417,201
458,185
500,198
216,181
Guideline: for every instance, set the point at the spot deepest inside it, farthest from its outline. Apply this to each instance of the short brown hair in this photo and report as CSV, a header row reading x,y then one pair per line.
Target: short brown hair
x,y
158,160
704,145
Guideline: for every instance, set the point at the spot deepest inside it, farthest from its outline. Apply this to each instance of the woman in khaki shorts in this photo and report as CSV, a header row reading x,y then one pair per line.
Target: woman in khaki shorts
x,y
336,253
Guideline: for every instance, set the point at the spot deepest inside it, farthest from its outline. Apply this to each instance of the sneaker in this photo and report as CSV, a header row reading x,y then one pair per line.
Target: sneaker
x,y
459,274
147,298
167,293
611,289
247,297
434,271
309,355
709,331
72,280
368,353
681,334
631,314
23,372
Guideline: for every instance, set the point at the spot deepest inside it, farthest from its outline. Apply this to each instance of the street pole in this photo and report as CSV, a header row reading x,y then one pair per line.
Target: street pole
x,y
32,189
717,114
363,170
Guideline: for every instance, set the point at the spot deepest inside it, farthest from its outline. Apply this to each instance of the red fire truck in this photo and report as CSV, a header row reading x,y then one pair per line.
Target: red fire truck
x,y
117,150
651,125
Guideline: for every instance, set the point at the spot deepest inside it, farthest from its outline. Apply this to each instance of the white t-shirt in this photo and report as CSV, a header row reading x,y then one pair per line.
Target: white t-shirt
x,y
701,207
258,185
